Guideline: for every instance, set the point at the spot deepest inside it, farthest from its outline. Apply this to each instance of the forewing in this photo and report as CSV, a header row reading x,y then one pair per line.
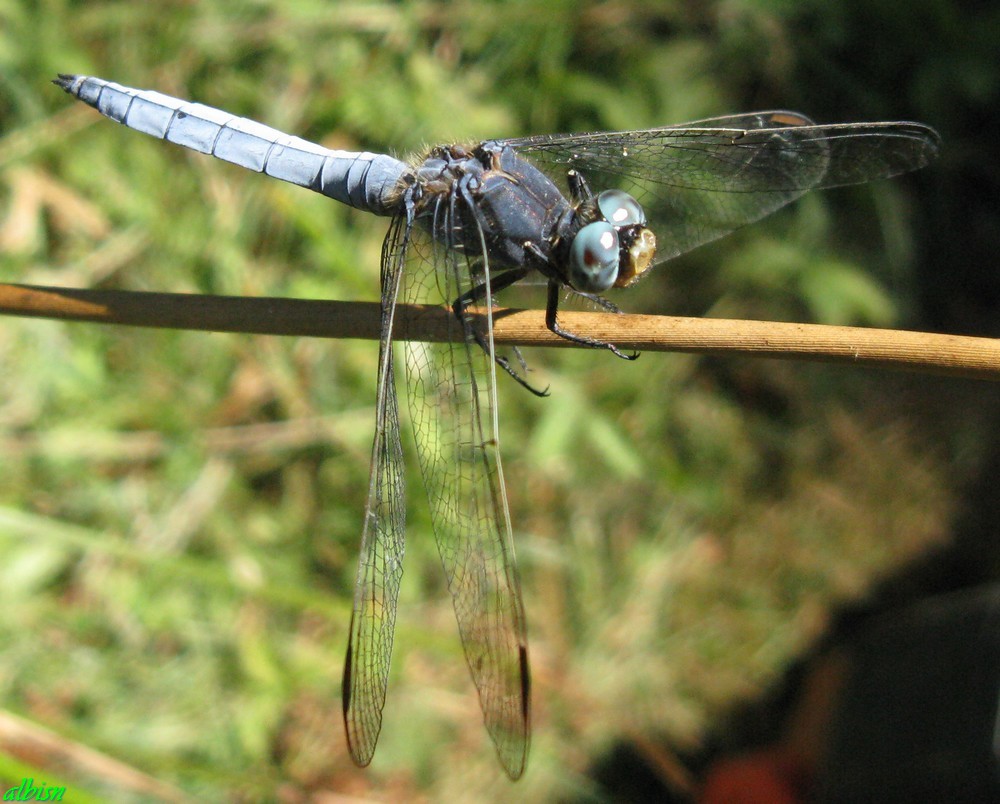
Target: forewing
x,y
702,180
369,648
454,413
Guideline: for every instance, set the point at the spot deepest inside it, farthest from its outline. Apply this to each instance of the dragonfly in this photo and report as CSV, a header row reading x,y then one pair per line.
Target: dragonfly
x,y
585,213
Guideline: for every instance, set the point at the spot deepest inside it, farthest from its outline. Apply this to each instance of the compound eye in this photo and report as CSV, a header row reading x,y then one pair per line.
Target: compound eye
x,y
620,209
593,258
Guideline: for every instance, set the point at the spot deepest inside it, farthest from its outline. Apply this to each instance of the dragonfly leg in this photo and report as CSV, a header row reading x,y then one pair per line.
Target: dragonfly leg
x,y
552,308
478,293
606,304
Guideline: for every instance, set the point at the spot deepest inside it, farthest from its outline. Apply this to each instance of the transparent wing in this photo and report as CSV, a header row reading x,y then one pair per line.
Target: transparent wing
x,y
702,180
454,413
369,647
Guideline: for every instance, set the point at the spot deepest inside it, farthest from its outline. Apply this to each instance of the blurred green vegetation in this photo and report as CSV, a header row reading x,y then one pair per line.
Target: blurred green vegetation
x,y
180,512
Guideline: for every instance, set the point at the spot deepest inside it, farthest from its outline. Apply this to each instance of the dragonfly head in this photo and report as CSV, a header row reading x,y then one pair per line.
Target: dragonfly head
x,y
613,247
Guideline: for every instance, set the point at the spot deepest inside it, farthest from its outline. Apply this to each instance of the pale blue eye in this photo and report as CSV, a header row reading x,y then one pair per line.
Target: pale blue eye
x,y
620,209
593,258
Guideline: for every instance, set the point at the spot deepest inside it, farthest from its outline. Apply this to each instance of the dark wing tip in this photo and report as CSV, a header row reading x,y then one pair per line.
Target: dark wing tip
x,y
345,690
362,726
512,736
924,141
931,140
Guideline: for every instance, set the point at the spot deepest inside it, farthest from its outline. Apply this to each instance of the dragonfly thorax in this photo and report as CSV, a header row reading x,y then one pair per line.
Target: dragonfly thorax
x,y
488,202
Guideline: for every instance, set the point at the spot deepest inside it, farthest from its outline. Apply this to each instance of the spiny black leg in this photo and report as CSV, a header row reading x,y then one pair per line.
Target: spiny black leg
x,y
551,309
478,293
606,304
